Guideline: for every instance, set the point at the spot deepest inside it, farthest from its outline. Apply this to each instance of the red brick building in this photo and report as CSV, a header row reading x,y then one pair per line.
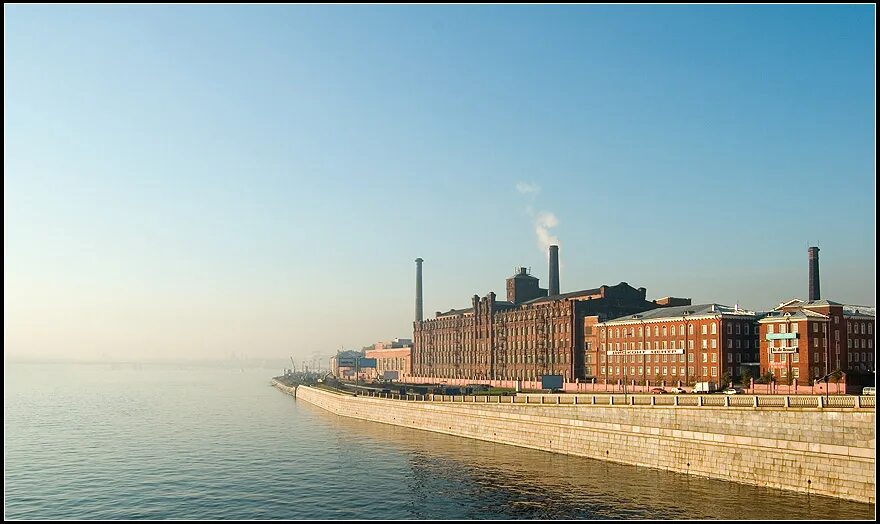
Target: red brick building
x,y
804,341
527,336
685,344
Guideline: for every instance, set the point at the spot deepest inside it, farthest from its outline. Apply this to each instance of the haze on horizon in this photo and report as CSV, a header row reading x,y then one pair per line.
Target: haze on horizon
x,y
193,181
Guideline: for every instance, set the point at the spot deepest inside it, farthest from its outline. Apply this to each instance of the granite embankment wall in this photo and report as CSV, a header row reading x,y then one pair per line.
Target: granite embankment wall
x,y
822,451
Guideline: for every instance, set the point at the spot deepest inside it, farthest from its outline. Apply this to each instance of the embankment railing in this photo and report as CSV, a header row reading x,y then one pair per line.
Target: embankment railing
x,y
683,400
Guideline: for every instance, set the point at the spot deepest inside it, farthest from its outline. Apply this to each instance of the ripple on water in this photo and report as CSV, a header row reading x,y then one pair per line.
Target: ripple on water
x,y
165,442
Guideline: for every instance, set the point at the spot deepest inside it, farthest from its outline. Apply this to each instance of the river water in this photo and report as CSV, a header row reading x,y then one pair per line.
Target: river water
x,y
101,441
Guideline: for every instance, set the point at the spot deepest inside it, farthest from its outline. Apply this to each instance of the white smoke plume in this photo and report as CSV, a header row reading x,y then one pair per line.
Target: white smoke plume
x,y
543,220
526,188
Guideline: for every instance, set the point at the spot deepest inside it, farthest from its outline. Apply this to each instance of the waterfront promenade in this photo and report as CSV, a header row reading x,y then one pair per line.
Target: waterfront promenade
x,y
783,442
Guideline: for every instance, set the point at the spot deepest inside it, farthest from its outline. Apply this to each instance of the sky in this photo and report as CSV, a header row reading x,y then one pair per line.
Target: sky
x,y
203,181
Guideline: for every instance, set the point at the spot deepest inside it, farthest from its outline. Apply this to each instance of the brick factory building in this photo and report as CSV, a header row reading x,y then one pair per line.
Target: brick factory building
x,y
685,344
524,337
806,340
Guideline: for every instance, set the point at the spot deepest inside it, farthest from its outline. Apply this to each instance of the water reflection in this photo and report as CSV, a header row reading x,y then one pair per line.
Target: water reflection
x,y
454,477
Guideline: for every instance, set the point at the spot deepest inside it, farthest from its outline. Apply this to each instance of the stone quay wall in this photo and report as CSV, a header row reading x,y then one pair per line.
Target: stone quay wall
x,y
828,451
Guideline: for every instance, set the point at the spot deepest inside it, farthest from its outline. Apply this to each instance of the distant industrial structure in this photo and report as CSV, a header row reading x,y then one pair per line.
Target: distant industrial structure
x,y
534,332
613,334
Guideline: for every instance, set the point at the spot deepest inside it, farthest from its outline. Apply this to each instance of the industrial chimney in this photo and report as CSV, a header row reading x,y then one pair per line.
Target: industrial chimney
x,y
813,255
554,271
419,289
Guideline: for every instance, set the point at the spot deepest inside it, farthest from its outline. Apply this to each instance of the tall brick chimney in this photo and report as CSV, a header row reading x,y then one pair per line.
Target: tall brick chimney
x,y
553,288
419,289
813,255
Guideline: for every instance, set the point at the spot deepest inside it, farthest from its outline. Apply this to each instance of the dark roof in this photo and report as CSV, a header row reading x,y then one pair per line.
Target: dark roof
x,y
498,304
564,296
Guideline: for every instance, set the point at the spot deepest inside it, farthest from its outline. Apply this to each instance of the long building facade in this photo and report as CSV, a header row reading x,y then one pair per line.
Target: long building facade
x,y
529,335
684,344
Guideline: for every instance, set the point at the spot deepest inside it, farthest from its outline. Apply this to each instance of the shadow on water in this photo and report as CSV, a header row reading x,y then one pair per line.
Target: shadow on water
x,y
456,477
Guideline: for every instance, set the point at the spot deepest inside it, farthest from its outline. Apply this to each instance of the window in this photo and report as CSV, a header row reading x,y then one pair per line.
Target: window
x,y
815,342
747,329
815,327
794,328
691,358
730,329
714,357
730,358
705,343
664,370
714,344
691,370
664,331
769,328
714,371
730,343
681,329
795,358
705,357
783,357
690,344
690,329
703,329
714,328
795,372
673,371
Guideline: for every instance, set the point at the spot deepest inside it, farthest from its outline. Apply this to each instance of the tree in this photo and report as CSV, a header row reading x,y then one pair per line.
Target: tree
x,y
746,377
766,378
726,378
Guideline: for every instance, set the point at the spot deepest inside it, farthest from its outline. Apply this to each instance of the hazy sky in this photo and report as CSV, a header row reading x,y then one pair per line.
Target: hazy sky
x,y
193,181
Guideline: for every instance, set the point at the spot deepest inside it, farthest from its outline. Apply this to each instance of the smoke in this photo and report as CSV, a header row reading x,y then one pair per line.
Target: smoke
x,y
543,221
525,188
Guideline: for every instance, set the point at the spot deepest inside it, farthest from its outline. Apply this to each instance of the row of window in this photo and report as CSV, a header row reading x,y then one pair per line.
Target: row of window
x,y
658,370
860,327
631,332
859,343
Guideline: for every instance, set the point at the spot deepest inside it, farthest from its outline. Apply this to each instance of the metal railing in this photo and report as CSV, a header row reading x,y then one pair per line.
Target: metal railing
x,y
685,400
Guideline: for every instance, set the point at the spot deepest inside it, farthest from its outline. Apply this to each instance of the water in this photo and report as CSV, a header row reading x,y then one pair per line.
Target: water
x,y
176,442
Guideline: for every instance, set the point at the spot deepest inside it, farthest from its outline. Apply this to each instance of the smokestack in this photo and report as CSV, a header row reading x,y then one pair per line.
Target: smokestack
x,y
813,255
419,289
554,271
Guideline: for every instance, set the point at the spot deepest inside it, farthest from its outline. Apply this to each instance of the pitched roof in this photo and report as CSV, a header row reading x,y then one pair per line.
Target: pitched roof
x,y
680,311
